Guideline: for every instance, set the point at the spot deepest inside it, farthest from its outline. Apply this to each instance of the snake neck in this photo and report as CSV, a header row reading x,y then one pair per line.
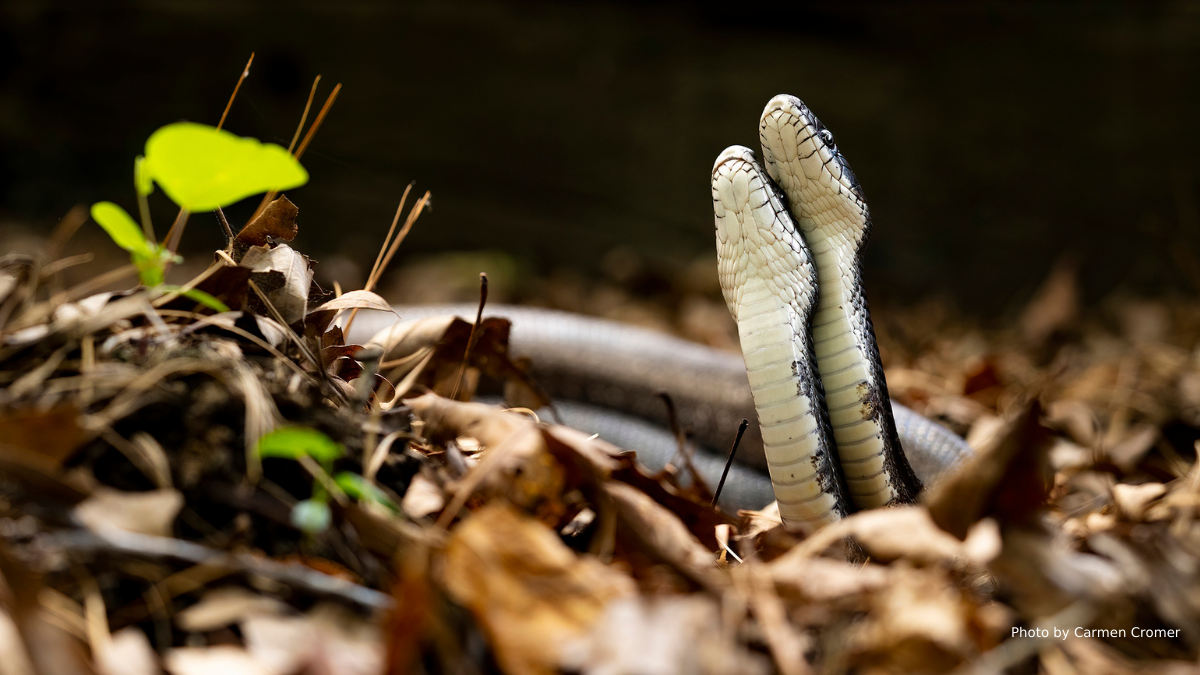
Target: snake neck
x,y
787,396
876,469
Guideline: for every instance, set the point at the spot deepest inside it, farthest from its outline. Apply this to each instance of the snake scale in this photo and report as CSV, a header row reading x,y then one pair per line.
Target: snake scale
x,y
789,237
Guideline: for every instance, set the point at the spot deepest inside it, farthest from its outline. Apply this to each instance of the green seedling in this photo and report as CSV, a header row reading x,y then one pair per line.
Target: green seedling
x,y
311,515
201,168
364,490
297,442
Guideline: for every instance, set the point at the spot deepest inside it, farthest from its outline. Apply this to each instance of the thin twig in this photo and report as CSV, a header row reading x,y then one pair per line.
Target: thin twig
x,y
317,122
295,137
413,214
374,275
244,75
729,462
299,341
225,226
681,445
304,116
462,368
115,542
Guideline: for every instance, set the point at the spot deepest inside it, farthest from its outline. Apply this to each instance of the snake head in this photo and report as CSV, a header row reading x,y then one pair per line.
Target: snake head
x,y
756,235
800,155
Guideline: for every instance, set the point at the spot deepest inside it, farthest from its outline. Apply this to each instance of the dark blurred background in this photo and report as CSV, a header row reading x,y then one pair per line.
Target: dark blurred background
x,y
990,138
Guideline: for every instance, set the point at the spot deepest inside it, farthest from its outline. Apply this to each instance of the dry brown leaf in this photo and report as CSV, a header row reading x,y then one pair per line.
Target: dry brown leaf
x,y
224,659
128,653
225,607
516,465
919,621
824,579
13,658
668,635
660,533
1128,452
284,275
276,221
430,351
150,512
529,592
327,640
422,498
885,535
1056,303
53,432
1009,478
1133,500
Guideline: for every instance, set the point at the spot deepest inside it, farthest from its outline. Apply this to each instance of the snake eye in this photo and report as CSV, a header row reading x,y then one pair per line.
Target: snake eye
x,y
827,136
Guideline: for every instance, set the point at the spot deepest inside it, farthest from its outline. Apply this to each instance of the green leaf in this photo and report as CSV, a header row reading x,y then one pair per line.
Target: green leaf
x,y
202,168
123,230
311,515
142,181
295,442
363,490
199,296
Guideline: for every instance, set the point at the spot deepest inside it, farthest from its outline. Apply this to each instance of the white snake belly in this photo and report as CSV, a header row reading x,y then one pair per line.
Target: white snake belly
x,y
770,287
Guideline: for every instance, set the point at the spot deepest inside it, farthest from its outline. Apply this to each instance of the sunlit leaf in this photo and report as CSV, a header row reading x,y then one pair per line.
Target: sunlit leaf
x,y
121,227
363,490
202,168
296,442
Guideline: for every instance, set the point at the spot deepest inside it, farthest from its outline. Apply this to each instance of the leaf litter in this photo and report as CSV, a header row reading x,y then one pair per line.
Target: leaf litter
x,y
149,486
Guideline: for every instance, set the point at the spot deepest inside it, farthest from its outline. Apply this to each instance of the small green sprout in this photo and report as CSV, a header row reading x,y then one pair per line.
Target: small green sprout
x,y
364,490
296,442
200,168
312,515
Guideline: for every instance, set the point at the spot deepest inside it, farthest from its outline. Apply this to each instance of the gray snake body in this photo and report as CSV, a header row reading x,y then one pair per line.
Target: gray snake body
x,y
605,377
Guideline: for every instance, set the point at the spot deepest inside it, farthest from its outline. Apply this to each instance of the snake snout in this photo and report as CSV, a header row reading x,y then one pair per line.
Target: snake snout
x,y
733,153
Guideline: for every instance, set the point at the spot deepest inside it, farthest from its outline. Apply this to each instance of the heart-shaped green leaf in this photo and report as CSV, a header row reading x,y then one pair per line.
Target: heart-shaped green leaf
x,y
121,227
202,168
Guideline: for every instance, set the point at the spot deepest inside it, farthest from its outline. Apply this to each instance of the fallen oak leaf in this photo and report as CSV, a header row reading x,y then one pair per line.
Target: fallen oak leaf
x,y
529,591
431,350
1008,478
658,532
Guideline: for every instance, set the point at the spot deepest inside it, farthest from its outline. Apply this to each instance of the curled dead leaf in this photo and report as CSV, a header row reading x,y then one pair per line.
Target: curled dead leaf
x,y
529,592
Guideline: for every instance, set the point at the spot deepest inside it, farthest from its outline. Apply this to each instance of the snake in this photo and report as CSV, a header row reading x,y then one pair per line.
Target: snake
x,y
790,232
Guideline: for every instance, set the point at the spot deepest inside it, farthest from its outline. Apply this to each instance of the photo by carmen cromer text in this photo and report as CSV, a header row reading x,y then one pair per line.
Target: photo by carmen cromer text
x,y
1080,631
